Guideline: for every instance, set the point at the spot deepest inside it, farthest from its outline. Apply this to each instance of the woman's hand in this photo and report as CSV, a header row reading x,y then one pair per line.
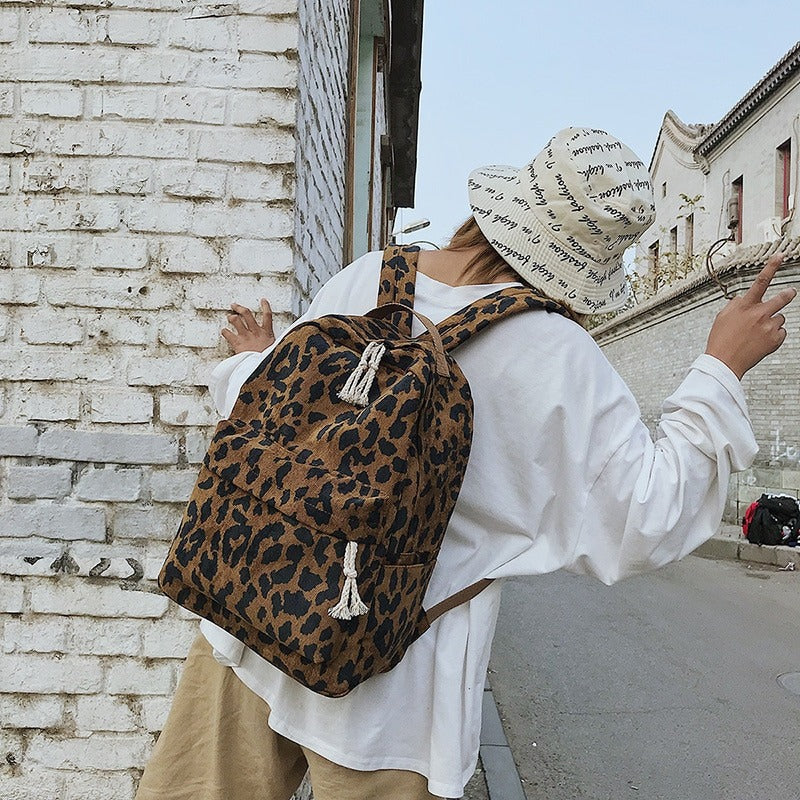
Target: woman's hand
x,y
749,327
247,333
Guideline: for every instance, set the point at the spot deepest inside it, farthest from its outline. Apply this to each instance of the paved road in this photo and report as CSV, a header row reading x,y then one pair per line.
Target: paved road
x,y
660,688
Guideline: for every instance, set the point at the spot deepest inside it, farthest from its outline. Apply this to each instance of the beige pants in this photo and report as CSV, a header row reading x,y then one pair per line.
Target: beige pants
x,y
217,745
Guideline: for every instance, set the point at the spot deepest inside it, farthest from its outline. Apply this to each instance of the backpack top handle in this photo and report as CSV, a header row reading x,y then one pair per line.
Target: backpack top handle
x,y
387,309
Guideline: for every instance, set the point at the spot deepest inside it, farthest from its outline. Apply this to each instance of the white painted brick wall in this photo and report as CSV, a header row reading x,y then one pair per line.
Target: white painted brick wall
x,y
111,483
43,711
104,713
187,409
53,175
42,674
53,521
322,91
42,636
154,712
188,255
6,96
113,328
195,105
52,101
200,332
98,786
134,677
19,441
116,406
120,448
28,483
257,257
146,523
49,328
97,751
154,167
115,637
196,446
79,598
12,598
172,487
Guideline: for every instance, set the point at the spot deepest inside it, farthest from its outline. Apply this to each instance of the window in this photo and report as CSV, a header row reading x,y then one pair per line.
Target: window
x,y
387,211
664,189
673,241
653,251
654,256
364,201
735,211
783,179
376,233
689,236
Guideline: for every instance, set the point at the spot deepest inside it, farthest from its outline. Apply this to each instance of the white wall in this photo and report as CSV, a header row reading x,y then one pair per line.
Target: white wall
x,y
153,168
749,151
674,166
322,143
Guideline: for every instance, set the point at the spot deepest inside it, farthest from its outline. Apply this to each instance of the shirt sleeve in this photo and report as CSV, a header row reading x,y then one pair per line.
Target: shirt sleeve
x,y
653,502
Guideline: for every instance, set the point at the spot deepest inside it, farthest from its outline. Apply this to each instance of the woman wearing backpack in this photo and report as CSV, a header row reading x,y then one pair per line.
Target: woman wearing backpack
x,y
562,473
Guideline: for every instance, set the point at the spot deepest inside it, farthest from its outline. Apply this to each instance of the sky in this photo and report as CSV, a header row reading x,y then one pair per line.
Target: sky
x,y
499,78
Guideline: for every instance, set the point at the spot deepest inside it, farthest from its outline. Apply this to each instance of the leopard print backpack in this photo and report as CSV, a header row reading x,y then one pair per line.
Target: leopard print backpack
x,y
320,507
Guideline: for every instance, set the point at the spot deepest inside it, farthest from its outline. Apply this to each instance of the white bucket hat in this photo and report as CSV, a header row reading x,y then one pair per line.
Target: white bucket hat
x,y
564,220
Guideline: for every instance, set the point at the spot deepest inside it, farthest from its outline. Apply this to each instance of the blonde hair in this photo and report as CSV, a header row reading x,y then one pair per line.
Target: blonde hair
x,y
487,265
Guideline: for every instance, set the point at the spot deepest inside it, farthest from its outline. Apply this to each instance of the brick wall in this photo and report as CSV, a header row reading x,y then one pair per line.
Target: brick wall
x,y
653,346
322,141
148,165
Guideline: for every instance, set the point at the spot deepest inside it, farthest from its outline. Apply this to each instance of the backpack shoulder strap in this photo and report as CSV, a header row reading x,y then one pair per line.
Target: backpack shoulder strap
x,y
398,275
432,614
459,327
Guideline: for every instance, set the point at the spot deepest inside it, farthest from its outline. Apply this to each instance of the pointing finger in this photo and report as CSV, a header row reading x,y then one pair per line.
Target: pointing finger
x,y
783,298
763,279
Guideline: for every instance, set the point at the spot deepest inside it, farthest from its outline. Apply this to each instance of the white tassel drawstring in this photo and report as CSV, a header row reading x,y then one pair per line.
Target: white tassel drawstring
x,y
350,604
356,390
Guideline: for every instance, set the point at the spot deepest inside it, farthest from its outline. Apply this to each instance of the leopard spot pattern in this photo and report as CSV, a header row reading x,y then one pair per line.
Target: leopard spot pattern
x,y
295,474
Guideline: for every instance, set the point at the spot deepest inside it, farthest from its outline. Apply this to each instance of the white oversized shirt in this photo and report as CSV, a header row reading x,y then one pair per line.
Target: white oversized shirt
x,y
562,474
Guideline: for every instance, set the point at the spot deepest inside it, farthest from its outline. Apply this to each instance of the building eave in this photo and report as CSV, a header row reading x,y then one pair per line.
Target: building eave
x,y
405,85
760,93
684,136
742,261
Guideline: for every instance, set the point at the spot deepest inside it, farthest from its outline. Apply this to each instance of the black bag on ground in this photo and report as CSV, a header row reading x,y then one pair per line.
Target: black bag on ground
x,y
776,520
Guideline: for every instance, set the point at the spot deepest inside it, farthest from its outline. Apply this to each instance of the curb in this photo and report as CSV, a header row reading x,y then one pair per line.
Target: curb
x,y
730,545
499,768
